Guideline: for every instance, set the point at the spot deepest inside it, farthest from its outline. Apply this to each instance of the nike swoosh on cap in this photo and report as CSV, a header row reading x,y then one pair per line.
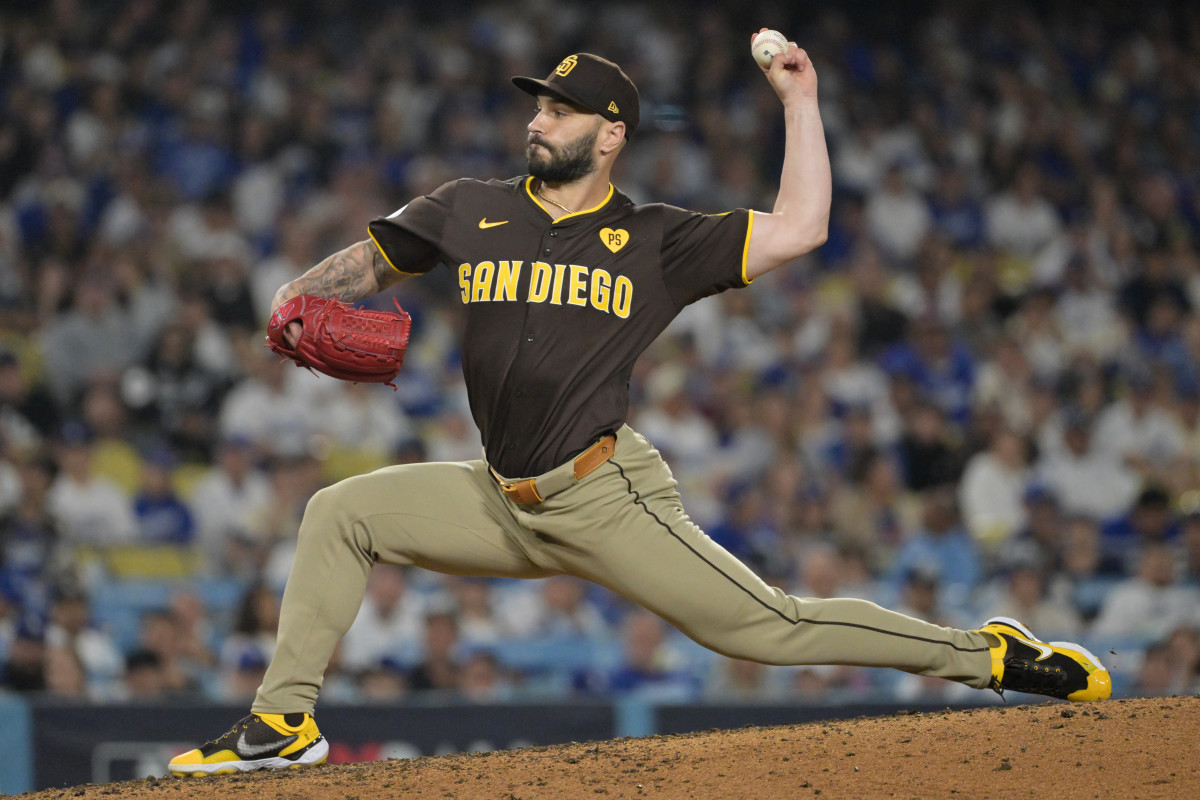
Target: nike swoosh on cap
x,y
483,223
247,749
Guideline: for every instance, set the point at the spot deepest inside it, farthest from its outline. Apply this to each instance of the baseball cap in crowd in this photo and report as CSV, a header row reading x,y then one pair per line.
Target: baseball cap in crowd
x,y
593,82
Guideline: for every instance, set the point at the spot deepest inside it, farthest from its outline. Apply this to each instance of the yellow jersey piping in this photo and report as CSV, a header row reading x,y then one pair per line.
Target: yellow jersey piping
x,y
746,248
385,258
533,196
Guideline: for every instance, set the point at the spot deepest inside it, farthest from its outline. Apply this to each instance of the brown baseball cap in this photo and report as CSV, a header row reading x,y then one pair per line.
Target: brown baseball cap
x,y
594,83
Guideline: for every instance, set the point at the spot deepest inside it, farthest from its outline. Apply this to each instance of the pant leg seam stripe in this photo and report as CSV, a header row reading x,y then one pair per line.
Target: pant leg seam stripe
x,y
637,499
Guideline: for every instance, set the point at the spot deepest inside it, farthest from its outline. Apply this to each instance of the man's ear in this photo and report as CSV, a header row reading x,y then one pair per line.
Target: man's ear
x,y
612,137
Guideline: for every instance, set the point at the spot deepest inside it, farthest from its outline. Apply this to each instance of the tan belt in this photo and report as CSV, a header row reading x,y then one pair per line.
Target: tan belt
x,y
527,492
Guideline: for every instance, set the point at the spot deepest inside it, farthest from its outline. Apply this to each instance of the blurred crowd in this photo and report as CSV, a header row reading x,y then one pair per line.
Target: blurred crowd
x,y
981,396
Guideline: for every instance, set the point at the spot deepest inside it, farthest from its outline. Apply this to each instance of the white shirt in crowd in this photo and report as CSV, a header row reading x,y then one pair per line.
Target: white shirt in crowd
x,y
378,632
1153,434
223,507
1093,484
992,498
95,512
1021,228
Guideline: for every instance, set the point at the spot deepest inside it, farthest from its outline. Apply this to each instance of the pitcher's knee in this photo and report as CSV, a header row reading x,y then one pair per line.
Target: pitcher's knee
x,y
327,514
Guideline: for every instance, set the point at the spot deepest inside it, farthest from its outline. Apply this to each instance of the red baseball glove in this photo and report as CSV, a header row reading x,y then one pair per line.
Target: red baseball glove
x,y
344,342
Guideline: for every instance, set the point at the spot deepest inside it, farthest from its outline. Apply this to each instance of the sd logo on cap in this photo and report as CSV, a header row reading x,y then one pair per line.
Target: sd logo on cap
x,y
594,83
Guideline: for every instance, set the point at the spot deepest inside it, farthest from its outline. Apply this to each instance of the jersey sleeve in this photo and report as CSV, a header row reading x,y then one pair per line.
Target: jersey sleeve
x,y
703,254
411,238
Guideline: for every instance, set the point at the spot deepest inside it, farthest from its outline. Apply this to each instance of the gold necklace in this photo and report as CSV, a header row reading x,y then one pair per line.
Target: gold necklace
x,y
552,202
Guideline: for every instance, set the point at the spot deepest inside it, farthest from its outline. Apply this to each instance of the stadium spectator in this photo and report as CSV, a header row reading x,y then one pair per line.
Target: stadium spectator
x,y
880,323
295,254
1086,573
33,553
1171,666
1155,281
1151,604
390,622
898,216
95,338
878,513
114,456
1084,478
225,499
1150,521
744,681
1042,534
1034,327
1021,222
478,622
1004,384
942,549
1138,431
1023,591
363,424
483,680
440,667
265,408
29,415
246,651
929,454
169,666
650,668
956,215
93,511
24,668
1189,537
1086,313
993,490
196,627
383,681
144,680
556,608
162,516
173,394
66,677
940,367
72,631
852,383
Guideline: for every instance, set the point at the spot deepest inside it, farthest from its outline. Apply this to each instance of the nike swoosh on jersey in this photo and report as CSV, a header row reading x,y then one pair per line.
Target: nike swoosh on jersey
x,y
246,749
483,223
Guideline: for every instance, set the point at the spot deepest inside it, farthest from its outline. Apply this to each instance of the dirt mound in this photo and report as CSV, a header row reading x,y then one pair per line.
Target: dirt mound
x,y
1143,748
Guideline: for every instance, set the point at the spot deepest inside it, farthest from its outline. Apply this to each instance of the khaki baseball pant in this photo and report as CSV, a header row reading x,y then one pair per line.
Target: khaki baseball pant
x,y
622,526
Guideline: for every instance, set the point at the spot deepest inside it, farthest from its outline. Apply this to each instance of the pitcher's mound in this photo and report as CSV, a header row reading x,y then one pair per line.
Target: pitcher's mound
x,y
1143,748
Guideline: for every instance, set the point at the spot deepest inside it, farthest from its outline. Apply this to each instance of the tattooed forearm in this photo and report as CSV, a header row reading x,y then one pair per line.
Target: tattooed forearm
x,y
385,276
347,275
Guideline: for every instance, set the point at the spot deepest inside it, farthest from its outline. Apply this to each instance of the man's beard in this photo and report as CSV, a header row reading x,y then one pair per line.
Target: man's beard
x,y
565,163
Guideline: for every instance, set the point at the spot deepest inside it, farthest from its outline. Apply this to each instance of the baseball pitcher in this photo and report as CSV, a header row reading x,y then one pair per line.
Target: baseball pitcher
x,y
564,282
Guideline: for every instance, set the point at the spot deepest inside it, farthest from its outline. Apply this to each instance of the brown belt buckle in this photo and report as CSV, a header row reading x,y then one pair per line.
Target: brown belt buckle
x,y
523,493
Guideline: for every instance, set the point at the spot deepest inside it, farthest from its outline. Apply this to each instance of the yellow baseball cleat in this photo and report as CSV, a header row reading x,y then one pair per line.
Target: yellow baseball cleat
x,y
1024,663
258,741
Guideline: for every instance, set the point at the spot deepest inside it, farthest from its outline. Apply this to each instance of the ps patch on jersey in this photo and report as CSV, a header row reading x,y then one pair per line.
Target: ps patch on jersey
x,y
614,240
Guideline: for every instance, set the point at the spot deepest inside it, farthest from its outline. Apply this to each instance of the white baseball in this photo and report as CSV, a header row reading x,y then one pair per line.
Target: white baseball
x,y
767,45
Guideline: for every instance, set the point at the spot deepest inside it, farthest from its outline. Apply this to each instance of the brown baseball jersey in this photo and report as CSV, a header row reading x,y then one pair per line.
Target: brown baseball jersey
x,y
558,311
